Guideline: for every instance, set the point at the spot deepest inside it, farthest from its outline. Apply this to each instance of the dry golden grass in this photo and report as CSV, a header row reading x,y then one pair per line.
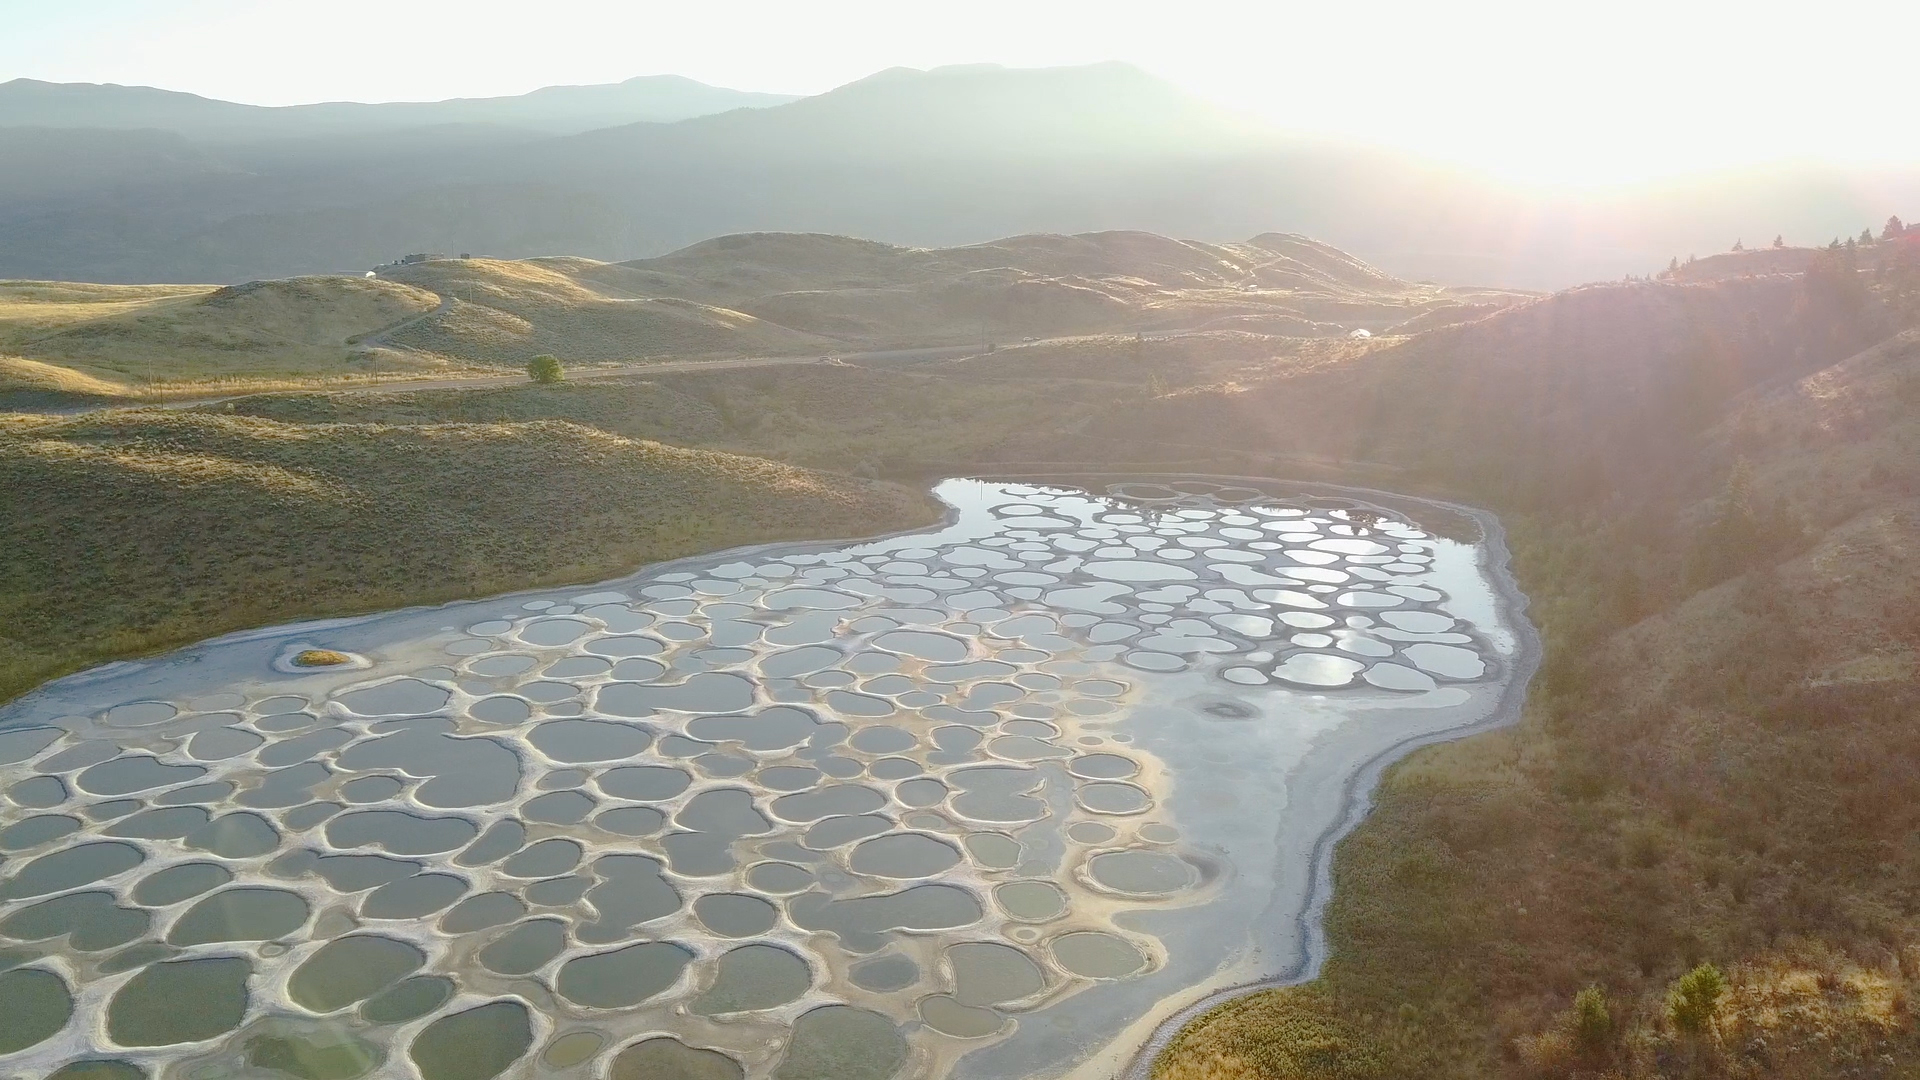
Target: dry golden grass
x,y
1691,781
20,375
757,295
134,530
320,658
906,422
507,312
154,338
863,294
1288,1034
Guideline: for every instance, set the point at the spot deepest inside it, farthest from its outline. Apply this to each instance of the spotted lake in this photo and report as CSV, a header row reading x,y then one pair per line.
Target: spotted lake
x,y
993,799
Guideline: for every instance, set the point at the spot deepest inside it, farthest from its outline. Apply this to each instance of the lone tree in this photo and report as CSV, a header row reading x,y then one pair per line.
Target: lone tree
x,y
545,368
1739,245
1695,998
1894,228
1779,241
1866,236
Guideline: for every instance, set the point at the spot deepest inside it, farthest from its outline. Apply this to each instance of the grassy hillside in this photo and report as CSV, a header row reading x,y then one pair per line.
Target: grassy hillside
x,y
131,531
1039,285
32,383
895,419
799,292
1575,396
1714,503
755,264
156,339
508,312
758,294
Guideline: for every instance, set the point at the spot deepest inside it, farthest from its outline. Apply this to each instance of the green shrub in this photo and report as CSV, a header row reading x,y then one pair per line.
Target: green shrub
x,y
545,368
1695,997
1592,1021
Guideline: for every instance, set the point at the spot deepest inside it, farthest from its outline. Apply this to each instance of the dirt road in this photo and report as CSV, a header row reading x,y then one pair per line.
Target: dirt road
x,y
937,352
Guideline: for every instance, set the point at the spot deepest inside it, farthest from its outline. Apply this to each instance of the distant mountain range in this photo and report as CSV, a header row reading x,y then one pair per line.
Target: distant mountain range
x,y
555,110
133,184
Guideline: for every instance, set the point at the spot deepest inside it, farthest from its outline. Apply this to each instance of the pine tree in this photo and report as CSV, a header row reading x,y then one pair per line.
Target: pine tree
x,y
1739,245
1894,229
1673,264
1695,998
1866,236
1779,241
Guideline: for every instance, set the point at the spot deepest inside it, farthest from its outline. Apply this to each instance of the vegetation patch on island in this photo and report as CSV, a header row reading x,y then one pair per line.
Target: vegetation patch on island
x,y
320,658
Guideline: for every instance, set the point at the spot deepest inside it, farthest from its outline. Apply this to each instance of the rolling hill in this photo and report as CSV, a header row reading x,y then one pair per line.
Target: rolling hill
x,y
508,312
765,294
859,291
104,336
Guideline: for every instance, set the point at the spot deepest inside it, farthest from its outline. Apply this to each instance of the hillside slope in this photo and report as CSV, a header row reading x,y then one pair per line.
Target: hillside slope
x,y
153,336
508,312
1602,387
1712,493
135,530
1036,285
760,294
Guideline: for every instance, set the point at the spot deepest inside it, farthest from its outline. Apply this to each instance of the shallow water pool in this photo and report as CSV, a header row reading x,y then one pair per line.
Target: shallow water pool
x,y
985,800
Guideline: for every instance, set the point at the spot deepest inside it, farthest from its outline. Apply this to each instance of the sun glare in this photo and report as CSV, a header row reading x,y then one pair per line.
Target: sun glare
x,y
1563,94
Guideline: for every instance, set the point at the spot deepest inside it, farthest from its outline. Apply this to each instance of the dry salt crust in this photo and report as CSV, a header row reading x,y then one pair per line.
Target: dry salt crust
x,y
985,801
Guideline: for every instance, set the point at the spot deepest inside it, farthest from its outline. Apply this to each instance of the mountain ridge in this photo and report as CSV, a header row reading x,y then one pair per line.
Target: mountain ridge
x,y
562,109
947,157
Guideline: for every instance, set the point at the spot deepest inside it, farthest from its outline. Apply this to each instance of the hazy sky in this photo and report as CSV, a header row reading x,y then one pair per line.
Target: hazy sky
x,y
1574,92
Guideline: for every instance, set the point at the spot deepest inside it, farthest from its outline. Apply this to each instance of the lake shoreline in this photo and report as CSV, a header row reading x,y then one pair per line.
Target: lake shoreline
x,y
1360,785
